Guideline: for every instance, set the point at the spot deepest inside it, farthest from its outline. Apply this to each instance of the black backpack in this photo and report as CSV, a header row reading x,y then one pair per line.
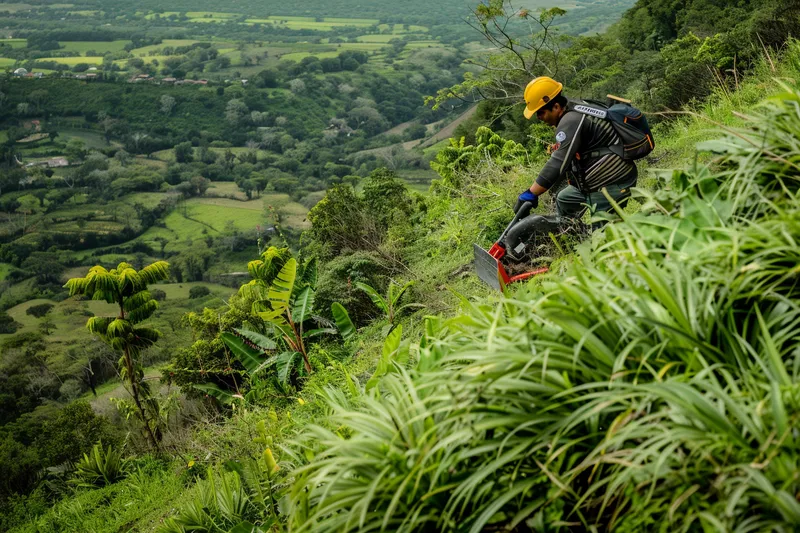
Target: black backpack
x,y
629,123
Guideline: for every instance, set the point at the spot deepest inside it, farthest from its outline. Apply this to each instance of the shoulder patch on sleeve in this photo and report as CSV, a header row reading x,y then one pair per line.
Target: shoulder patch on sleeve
x,y
561,137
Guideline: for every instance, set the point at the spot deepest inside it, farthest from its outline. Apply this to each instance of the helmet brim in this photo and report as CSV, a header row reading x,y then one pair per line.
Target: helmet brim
x,y
529,112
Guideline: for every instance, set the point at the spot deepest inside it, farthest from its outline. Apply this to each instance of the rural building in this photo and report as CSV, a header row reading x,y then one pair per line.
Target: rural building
x,y
21,72
169,80
54,162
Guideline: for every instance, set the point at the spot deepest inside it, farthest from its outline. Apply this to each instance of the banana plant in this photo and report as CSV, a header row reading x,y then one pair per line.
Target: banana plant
x,y
291,300
389,305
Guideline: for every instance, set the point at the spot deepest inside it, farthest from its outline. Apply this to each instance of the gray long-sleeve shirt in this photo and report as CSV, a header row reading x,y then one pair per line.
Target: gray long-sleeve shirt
x,y
593,173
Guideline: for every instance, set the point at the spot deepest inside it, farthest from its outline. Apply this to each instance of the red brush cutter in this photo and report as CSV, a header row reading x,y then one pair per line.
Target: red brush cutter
x,y
489,266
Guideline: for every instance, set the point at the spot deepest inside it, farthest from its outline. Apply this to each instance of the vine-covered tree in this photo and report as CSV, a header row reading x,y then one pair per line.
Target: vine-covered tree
x,y
127,288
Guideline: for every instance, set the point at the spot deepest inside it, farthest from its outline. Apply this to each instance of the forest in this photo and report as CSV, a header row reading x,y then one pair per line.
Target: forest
x,y
236,280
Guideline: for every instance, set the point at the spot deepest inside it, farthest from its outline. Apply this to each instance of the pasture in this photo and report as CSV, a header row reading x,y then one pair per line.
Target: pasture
x,y
180,291
6,269
72,61
153,48
13,43
101,47
92,139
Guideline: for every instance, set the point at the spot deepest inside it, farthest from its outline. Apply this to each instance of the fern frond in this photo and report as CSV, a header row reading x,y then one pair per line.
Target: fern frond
x,y
155,272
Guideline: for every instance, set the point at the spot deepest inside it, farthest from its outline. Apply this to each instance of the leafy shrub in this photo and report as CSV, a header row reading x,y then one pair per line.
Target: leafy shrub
x,y
199,291
39,310
100,467
8,324
337,283
159,295
72,433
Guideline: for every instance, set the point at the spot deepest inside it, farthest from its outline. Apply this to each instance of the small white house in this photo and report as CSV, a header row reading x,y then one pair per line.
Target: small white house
x,y
21,72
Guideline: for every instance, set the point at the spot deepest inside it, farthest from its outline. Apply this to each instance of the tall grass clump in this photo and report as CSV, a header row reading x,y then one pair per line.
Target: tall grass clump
x,y
651,387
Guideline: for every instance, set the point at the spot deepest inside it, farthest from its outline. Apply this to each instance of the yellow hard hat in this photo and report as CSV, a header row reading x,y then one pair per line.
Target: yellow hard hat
x,y
539,93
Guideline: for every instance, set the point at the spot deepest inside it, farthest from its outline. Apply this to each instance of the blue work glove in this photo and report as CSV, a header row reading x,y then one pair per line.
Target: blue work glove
x,y
529,198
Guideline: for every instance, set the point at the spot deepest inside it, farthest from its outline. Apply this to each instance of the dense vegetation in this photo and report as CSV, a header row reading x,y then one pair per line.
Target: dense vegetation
x,y
320,357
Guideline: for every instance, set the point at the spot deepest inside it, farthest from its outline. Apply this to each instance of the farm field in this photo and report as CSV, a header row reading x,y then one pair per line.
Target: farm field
x,y
146,50
13,43
92,139
72,61
101,47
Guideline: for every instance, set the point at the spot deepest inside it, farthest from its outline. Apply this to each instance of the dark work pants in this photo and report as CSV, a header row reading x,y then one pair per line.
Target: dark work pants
x,y
572,203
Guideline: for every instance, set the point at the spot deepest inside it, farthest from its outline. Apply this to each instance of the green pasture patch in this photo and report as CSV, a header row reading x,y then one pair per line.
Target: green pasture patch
x,y
364,47
180,291
376,38
210,14
347,20
256,204
165,14
92,139
399,29
225,188
99,307
86,13
3,136
13,8
167,155
145,50
299,56
147,199
425,44
7,62
292,18
13,43
209,19
215,218
6,269
102,47
434,149
18,312
418,180
72,61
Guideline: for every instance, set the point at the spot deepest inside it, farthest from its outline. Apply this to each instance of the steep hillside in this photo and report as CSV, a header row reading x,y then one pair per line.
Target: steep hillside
x,y
666,400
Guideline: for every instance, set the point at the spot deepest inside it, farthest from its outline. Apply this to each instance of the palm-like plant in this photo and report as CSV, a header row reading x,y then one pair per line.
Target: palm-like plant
x,y
127,288
390,305
99,467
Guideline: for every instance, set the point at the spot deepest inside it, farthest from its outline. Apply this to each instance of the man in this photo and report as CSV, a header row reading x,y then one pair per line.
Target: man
x,y
581,149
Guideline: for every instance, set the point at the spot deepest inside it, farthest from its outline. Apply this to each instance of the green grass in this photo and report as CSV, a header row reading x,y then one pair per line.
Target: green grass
x,y
147,199
299,56
418,180
424,44
72,61
13,8
180,291
6,269
92,139
351,21
309,24
13,43
213,14
376,38
7,62
101,47
145,50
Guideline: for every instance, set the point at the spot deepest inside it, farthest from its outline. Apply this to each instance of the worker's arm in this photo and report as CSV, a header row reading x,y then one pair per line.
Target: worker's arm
x,y
568,144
